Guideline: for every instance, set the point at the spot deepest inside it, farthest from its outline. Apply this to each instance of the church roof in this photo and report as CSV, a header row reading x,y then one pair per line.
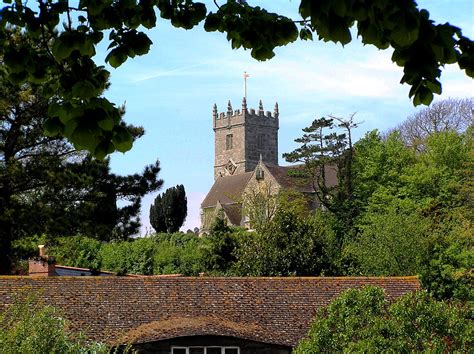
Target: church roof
x,y
233,212
227,190
115,310
287,179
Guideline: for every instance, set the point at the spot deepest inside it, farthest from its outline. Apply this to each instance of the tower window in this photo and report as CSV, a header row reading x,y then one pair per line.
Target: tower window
x,y
261,141
228,141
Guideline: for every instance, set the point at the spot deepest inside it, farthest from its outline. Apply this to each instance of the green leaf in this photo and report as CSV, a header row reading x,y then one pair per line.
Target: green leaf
x,y
122,139
69,127
212,23
423,96
402,37
340,33
52,126
305,8
306,34
141,43
54,109
87,48
103,149
84,89
106,123
18,78
117,57
62,47
262,53
86,136
434,86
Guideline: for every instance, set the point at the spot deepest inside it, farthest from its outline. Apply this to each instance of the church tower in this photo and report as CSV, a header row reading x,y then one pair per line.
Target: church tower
x,y
242,136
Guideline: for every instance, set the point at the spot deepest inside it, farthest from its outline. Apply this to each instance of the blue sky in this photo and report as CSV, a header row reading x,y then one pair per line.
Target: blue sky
x,y
171,91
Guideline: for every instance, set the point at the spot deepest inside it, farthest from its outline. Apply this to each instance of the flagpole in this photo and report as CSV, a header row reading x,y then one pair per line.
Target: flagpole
x,y
245,84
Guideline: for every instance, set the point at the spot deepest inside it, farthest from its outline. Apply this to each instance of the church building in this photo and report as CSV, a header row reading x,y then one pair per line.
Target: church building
x,y
245,156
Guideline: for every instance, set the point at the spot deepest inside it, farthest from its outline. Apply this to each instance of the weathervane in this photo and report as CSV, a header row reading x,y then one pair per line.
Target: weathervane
x,y
245,84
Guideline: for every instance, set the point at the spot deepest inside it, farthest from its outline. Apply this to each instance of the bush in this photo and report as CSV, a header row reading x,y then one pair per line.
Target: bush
x,y
362,320
219,251
178,253
447,266
27,326
78,251
391,241
291,246
134,257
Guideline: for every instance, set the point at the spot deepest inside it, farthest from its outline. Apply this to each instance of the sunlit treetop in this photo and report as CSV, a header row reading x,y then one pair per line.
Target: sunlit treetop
x,y
65,38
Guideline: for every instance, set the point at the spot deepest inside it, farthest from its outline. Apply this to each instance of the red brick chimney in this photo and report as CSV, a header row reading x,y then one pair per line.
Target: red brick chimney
x,y
41,266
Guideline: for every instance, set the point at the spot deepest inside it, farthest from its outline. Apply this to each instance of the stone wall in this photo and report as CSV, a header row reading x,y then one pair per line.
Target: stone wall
x,y
254,134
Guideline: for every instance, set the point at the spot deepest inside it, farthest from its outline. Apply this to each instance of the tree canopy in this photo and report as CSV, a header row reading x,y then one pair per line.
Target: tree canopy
x,y
364,320
47,186
62,59
169,210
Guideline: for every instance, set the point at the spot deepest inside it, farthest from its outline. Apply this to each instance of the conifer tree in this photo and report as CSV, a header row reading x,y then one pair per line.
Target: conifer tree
x,y
47,186
168,212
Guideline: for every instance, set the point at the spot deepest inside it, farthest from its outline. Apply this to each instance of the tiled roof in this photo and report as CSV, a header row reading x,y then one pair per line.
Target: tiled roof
x,y
123,309
227,190
283,175
233,212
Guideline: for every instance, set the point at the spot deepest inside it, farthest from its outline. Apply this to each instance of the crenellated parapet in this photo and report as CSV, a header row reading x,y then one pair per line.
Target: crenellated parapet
x,y
248,116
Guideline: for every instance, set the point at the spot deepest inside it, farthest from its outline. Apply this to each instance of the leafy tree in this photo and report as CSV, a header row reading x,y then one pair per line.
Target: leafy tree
x,y
260,204
178,253
446,269
28,326
62,61
220,246
169,210
453,114
77,251
290,246
403,197
47,186
135,257
390,241
377,165
363,320
219,224
320,150
158,254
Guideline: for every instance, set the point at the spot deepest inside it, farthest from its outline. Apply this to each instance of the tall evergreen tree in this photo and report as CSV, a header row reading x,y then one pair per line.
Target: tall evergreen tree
x,y
169,210
322,146
47,186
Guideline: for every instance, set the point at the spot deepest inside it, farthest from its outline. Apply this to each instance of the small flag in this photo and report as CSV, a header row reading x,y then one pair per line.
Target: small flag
x,y
246,75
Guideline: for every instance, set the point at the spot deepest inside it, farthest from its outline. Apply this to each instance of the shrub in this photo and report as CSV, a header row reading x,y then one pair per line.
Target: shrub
x,y
78,251
28,326
362,320
447,266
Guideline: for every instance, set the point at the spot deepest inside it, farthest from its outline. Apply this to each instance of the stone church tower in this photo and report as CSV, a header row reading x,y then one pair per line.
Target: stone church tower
x,y
242,136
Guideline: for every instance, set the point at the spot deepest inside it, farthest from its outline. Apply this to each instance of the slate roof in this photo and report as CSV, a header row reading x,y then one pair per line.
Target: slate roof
x,y
141,309
283,175
227,190
233,212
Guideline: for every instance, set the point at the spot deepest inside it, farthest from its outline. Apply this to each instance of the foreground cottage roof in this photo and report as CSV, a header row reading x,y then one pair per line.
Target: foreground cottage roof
x,y
147,309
